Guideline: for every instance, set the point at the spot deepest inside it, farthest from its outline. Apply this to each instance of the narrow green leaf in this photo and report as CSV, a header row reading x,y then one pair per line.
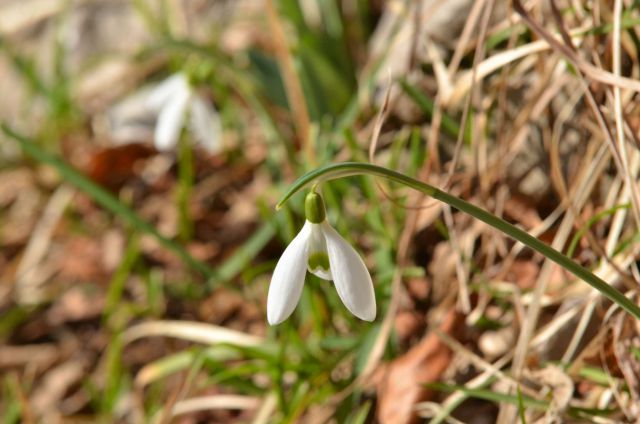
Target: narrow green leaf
x,y
521,408
526,401
491,396
117,283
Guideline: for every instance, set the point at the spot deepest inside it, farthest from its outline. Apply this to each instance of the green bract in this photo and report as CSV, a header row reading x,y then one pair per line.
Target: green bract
x,y
314,208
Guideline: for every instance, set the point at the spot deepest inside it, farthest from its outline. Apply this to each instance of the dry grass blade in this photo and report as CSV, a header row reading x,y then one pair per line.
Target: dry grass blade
x,y
295,95
619,118
19,16
591,71
467,32
466,80
191,331
462,271
29,279
264,412
36,355
206,403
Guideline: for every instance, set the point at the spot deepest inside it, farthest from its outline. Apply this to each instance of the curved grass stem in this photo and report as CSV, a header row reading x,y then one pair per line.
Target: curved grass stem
x,y
331,172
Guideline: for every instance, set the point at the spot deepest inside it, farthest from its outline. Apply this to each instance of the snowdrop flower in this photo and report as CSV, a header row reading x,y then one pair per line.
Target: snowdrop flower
x,y
174,100
320,249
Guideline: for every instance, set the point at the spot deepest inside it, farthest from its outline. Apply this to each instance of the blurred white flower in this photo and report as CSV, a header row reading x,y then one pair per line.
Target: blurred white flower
x,y
174,100
320,249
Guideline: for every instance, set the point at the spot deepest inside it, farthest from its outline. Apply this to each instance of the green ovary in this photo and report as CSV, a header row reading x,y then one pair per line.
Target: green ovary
x,y
318,260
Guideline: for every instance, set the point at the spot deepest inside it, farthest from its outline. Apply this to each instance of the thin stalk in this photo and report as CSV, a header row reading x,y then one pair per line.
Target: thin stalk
x,y
331,172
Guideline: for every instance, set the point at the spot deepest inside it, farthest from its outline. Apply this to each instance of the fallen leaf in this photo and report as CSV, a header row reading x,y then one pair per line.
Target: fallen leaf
x,y
402,383
113,166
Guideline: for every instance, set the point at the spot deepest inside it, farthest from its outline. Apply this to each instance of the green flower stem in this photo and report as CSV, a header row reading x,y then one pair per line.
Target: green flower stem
x,y
331,172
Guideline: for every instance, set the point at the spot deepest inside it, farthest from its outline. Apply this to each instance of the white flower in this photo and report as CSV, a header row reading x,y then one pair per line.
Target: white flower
x,y
174,99
320,249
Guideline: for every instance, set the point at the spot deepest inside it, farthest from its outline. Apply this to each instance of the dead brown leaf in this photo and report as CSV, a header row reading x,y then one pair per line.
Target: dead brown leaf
x,y
401,384
113,166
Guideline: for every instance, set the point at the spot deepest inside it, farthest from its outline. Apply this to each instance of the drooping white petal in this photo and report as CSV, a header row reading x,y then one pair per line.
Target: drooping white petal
x,y
288,278
170,121
350,275
164,92
205,124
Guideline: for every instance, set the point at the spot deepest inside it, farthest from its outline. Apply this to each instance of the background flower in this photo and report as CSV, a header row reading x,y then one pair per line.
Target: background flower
x,y
175,100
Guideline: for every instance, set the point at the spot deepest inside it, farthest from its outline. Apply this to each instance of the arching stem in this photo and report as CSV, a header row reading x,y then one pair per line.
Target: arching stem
x,y
345,169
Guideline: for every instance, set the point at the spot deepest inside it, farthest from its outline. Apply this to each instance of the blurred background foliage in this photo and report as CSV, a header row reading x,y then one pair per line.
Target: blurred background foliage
x,y
133,281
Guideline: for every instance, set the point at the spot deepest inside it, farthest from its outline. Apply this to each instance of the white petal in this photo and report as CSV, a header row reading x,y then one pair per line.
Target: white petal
x,y
288,278
162,94
170,121
205,124
350,276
